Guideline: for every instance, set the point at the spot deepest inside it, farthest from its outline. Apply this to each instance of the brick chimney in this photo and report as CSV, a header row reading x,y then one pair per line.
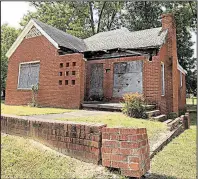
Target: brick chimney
x,y
168,22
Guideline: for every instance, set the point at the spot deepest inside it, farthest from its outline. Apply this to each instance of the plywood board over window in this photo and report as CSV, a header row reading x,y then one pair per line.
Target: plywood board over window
x,y
127,78
28,74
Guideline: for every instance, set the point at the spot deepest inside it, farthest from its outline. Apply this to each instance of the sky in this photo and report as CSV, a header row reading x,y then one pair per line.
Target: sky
x,y
12,12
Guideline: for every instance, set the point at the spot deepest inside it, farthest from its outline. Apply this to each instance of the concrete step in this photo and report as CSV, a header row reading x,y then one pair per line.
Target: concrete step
x,y
168,121
153,113
103,106
160,118
150,107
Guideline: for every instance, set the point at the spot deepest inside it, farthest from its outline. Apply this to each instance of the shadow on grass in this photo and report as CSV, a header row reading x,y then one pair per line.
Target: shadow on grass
x,y
157,176
193,118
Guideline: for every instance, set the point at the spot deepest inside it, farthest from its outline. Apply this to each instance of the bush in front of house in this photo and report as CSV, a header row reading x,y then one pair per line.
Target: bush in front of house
x,y
172,115
134,105
34,89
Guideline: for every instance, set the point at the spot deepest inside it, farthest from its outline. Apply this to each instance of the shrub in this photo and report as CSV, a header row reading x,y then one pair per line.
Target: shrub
x,y
172,115
34,96
134,105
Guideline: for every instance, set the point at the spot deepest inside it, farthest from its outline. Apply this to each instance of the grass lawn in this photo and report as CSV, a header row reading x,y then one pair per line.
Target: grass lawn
x,y
25,158
192,101
178,159
119,119
26,110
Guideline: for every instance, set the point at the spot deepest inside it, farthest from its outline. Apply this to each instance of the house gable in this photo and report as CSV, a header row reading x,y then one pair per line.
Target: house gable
x,y
29,29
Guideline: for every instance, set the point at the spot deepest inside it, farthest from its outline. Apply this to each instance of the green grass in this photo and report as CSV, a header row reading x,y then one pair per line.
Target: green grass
x,y
178,159
192,101
119,119
26,110
24,158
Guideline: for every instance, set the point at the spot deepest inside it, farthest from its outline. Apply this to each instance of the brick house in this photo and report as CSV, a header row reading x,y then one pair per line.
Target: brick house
x,y
105,66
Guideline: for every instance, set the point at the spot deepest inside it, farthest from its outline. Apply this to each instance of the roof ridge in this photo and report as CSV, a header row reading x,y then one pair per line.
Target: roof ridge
x,y
62,33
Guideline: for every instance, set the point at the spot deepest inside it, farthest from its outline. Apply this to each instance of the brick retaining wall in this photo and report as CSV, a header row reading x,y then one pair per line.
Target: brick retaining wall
x,y
123,148
78,140
127,149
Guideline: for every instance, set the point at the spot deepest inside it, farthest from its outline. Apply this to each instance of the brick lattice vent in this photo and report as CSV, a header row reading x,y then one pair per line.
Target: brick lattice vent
x,y
126,149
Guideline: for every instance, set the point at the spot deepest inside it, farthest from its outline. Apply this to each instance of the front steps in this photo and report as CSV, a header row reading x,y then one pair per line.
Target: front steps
x,y
161,118
151,111
106,106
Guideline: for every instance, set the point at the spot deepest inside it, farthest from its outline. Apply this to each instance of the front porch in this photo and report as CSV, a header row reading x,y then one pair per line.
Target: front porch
x,y
109,106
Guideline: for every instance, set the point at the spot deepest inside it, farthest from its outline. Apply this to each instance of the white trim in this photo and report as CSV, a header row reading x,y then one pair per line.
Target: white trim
x,y
181,79
38,61
30,62
20,38
179,67
163,79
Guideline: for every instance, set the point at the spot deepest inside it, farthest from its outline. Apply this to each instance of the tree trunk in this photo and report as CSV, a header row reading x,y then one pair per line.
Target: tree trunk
x,y
92,20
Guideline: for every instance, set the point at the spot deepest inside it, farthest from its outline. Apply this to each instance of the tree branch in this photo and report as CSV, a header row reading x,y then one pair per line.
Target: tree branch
x,y
192,9
91,20
100,16
112,19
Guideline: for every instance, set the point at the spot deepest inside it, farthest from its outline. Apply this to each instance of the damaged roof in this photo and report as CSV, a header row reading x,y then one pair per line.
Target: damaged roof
x,y
124,39
115,39
119,38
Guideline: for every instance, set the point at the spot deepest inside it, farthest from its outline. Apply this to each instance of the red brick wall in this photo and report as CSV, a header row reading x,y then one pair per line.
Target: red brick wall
x,y
182,92
50,92
79,140
123,148
152,73
151,79
127,149
168,22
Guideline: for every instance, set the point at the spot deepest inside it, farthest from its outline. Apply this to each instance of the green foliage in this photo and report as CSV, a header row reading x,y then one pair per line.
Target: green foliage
x,y
172,115
154,128
145,14
28,110
134,105
84,19
34,96
8,36
185,17
25,158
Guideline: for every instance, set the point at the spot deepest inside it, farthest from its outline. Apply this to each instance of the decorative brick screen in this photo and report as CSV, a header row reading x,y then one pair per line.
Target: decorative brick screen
x,y
127,149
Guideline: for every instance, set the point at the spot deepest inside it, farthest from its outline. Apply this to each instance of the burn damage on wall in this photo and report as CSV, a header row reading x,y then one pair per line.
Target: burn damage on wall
x,y
117,53
127,78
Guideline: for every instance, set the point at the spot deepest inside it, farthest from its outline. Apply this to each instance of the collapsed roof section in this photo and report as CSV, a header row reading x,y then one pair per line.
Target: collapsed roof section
x,y
115,39
124,39
120,41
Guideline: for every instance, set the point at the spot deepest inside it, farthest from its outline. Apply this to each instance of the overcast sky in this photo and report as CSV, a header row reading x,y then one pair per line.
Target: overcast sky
x,y
12,12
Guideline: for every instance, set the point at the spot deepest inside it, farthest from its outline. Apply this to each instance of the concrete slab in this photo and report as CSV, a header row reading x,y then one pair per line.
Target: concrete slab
x,y
78,113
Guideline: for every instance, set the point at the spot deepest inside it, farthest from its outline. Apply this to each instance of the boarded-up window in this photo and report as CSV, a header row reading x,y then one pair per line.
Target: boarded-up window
x,y
163,79
28,75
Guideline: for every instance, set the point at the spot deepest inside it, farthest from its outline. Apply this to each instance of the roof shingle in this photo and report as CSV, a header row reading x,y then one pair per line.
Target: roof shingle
x,y
62,38
124,39
119,38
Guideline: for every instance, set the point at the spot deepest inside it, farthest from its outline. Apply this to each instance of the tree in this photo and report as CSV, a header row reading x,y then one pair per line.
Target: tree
x,y
81,19
185,17
145,14
84,19
8,36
